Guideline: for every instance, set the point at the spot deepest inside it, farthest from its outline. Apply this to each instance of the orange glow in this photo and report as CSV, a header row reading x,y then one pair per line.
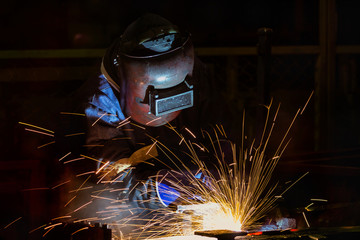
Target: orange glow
x,y
255,234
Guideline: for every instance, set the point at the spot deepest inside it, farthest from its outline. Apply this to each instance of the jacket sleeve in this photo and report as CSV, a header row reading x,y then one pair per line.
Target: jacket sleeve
x,y
107,135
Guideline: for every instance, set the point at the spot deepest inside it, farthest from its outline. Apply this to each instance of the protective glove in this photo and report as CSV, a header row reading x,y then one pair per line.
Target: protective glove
x,y
166,194
174,188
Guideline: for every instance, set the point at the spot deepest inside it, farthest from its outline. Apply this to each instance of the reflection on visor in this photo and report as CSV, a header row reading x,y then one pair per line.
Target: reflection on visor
x,y
165,101
174,103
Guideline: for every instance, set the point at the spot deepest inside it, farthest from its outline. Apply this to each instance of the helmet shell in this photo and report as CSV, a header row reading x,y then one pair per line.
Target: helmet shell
x,y
161,71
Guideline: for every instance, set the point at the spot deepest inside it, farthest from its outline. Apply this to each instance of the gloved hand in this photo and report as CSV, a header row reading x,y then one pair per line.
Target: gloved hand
x,y
166,194
112,170
179,188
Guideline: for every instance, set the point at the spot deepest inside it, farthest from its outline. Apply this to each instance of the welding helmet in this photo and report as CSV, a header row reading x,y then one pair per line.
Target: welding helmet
x,y
151,66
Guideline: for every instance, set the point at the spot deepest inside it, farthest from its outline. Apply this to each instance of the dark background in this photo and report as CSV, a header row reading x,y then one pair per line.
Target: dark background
x,y
325,139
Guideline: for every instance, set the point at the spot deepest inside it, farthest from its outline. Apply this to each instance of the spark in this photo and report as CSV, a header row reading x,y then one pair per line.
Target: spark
x,y
35,131
98,119
73,160
81,229
235,195
117,206
46,144
112,181
126,129
80,189
86,219
70,201
64,156
133,187
153,120
122,138
192,134
37,228
306,103
83,183
319,200
221,130
57,218
108,114
124,122
48,231
294,183
137,126
102,190
287,132
116,179
31,125
103,177
52,226
119,189
81,207
102,167
307,207
61,184
108,217
243,196
201,148
94,159
74,134
104,198
85,173
12,222
307,223
150,148
71,113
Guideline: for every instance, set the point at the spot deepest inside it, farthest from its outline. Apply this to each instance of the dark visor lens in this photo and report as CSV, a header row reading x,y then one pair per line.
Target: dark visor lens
x,y
174,103
165,101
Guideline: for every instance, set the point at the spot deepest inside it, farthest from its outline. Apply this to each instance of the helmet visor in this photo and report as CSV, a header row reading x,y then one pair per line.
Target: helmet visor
x,y
165,101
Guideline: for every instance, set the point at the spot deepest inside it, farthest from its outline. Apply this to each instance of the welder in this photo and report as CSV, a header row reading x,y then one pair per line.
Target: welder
x,y
149,80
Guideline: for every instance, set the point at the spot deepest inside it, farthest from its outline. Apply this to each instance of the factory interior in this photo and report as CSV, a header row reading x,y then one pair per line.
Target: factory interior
x,y
302,57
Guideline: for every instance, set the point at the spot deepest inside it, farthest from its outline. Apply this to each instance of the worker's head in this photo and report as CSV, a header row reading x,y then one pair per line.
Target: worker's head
x,y
151,64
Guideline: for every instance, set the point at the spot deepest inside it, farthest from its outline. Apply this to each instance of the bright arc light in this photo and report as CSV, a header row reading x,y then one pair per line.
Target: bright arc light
x,y
213,217
221,220
161,78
